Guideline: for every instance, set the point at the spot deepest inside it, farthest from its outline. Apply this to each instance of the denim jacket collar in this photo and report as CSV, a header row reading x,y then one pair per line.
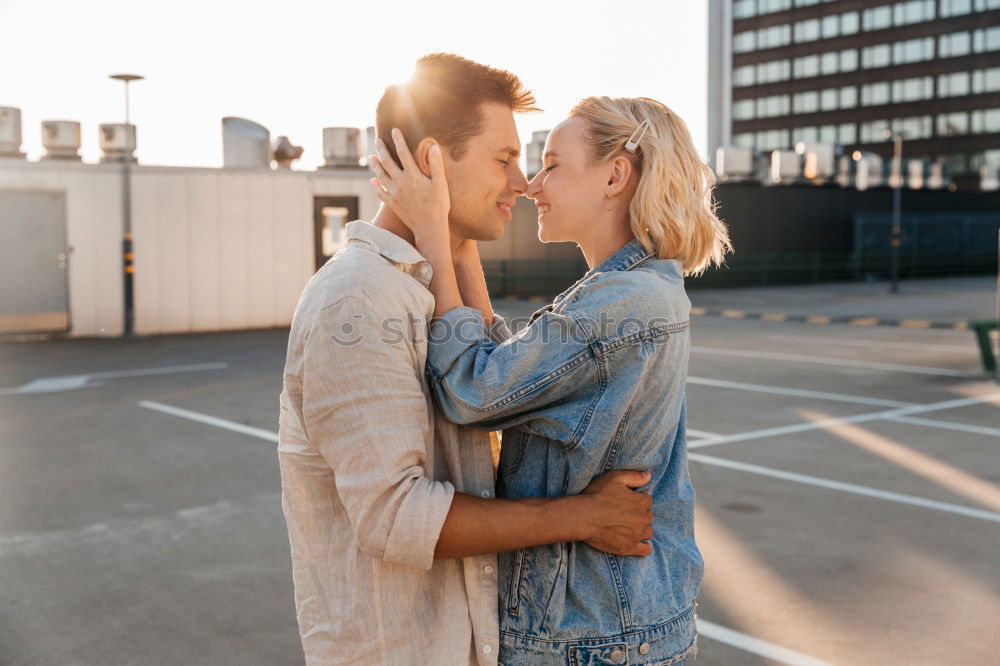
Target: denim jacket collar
x,y
630,255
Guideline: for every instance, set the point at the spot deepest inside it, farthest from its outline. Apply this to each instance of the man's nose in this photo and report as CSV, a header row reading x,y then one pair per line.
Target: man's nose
x,y
518,183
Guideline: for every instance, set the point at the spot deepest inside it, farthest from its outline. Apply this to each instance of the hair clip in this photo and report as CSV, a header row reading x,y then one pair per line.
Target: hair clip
x,y
633,141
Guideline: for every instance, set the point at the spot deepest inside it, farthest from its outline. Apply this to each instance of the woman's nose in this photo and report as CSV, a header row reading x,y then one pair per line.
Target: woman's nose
x,y
534,186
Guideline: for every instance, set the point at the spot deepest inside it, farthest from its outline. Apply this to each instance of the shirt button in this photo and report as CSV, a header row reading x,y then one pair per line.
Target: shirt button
x,y
488,569
618,655
487,649
644,648
485,493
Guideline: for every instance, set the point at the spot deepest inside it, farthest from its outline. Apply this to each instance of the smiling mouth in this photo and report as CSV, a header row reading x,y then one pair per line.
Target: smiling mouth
x,y
504,208
544,208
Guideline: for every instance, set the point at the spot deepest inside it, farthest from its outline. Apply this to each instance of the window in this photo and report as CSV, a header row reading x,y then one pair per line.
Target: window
x,y
987,39
913,50
983,5
806,66
744,8
873,94
955,7
848,133
772,139
916,127
806,102
875,56
828,63
953,124
913,11
775,105
805,134
743,109
806,3
830,26
769,6
986,121
955,44
877,18
986,80
776,70
744,140
908,90
873,131
775,36
849,23
848,97
828,99
849,60
952,85
828,134
807,31
744,76
744,41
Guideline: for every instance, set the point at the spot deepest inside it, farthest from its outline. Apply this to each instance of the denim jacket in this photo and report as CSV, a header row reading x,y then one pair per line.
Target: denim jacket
x,y
595,382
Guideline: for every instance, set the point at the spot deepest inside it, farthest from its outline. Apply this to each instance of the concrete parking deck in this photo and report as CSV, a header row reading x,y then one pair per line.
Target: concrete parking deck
x,y
847,481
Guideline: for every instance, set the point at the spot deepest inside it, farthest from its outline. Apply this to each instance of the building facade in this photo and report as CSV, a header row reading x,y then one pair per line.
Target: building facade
x,y
846,71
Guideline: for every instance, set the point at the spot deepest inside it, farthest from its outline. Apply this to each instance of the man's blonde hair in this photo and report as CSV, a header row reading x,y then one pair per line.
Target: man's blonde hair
x,y
672,212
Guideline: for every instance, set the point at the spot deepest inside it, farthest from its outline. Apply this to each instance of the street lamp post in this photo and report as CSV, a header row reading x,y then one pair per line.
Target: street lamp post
x,y
127,263
896,181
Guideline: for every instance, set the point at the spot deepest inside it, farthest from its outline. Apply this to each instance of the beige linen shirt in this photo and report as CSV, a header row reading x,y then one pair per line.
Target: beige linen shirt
x,y
369,468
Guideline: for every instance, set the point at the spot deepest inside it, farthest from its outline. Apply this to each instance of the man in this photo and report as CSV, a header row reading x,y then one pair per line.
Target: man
x,y
391,513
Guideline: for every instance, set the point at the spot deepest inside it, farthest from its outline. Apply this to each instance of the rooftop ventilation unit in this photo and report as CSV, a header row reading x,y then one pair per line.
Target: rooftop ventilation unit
x,y
342,147
10,132
245,144
117,143
61,139
285,153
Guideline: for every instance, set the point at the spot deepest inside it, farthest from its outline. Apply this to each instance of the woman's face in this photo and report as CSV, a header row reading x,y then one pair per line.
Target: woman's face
x,y
570,188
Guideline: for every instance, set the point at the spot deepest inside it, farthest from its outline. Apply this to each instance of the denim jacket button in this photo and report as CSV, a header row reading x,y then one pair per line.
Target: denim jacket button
x,y
618,655
644,648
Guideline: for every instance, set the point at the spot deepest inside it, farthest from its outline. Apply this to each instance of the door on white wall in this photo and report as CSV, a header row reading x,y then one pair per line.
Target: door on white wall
x,y
331,215
33,258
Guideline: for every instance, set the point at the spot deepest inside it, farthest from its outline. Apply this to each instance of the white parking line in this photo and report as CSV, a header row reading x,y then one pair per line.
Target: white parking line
x,y
899,498
859,418
825,360
781,390
889,344
71,382
260,433
948,425
757,646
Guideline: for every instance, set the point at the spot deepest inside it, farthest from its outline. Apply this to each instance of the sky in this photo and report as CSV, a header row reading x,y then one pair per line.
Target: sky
x,y
297,67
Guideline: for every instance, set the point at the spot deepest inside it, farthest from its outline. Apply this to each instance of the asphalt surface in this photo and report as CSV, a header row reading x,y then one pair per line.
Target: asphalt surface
x,y
847,478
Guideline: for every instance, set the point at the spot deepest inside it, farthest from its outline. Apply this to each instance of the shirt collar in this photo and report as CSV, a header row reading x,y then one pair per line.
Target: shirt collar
x,y
403,255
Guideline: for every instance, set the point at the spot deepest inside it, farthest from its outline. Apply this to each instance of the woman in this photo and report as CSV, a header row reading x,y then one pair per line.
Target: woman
x,y
594,382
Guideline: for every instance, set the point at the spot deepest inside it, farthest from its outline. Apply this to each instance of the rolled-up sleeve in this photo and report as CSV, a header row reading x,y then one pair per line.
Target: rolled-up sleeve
x,y
480,382
365,410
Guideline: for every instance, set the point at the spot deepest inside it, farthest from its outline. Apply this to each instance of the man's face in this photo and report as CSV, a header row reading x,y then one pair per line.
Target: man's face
x,y
486,181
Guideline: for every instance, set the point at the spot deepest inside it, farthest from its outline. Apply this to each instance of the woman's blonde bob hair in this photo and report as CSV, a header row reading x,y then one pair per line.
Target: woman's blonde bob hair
x,y
672,212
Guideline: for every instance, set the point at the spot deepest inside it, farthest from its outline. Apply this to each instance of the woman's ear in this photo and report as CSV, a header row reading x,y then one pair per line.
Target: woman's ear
x,y
621,173
422,155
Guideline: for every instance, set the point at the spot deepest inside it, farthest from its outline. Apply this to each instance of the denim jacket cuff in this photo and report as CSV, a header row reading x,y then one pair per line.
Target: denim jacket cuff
x,y
451,335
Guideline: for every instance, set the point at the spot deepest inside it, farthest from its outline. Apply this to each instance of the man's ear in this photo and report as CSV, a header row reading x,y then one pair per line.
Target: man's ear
x,y
421,155
621,172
